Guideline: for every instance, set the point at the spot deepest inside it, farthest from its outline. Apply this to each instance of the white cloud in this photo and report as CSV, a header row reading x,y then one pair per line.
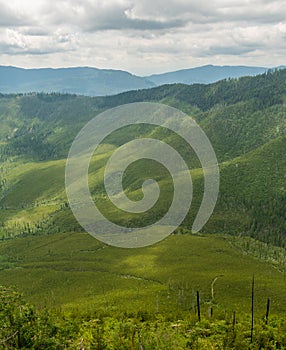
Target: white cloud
x,y
142,36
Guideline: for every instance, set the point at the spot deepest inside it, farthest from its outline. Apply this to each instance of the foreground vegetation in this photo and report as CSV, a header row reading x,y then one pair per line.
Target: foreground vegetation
x,y
24,327
83,294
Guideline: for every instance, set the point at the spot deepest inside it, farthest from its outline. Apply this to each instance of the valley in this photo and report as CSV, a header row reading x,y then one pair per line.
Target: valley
x,y
45,253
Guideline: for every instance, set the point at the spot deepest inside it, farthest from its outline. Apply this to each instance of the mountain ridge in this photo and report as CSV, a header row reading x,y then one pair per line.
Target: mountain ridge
x,y
205,74
76,80
91,81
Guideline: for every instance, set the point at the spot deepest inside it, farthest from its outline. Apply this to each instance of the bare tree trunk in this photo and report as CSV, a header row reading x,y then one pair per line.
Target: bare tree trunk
x,y
198,306
252,310
212,285
140,341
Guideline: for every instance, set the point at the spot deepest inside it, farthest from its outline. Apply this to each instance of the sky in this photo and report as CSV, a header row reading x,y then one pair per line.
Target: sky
x,y
142,36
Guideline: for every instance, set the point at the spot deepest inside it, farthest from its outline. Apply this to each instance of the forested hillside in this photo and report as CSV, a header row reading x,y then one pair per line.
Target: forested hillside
x,y
243,118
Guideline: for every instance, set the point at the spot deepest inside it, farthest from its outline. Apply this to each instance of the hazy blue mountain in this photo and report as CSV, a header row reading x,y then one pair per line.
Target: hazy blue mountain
x,y
100,82
205,74
79,80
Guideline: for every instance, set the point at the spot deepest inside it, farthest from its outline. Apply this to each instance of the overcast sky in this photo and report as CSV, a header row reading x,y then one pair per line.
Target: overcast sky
x,y
142,36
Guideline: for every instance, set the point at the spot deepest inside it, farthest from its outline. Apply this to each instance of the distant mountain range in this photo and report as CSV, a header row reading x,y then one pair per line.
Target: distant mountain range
x,y
100,82
205,74
79,80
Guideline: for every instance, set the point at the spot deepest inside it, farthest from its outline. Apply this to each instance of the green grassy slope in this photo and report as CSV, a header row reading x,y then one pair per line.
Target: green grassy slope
x,y
251,199
244,119
75,269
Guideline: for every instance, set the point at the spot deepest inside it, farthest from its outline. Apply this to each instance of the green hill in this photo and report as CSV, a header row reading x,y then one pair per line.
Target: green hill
x,y
243,118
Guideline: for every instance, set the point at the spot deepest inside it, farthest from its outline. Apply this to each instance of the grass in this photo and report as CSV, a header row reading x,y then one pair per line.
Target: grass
x,y
34,194
34,182
75,270
244,120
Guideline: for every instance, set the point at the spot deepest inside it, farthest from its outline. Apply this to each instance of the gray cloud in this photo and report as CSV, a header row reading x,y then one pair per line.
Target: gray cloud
x,y
6,49
124,22
140,14
229,50
138,34
35,31
255,12
98,16
17,50
10,17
